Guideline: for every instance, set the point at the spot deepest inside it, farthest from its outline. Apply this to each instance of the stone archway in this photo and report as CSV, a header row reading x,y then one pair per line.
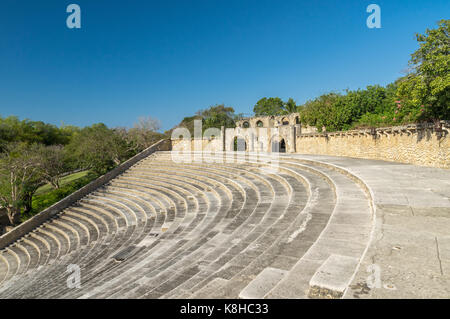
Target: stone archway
x,y
239,144
278,145
282,146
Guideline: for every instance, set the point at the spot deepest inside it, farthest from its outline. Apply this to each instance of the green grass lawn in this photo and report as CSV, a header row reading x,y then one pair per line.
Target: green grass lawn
x,y
63,181
46,195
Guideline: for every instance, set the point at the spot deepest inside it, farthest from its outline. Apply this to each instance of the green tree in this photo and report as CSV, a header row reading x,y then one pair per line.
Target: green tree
x,y
426,89
31,132
269,106
19,176
217,116
213,117
142,135
188,123
321,111
98,148
290,107
53,163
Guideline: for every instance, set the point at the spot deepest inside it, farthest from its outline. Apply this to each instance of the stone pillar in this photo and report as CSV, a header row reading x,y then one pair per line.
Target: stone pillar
x,y
222,130
292,139
198,141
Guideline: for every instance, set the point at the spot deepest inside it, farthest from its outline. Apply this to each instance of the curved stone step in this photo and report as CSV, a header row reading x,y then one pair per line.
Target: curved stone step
x,y
266,257
203,229
166,284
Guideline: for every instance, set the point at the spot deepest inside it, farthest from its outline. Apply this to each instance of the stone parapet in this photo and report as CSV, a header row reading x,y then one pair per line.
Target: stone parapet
x,y
441,131
422,144
425,144
269,121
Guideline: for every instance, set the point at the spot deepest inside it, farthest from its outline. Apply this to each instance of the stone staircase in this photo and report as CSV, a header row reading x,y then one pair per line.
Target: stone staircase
x,y
207,229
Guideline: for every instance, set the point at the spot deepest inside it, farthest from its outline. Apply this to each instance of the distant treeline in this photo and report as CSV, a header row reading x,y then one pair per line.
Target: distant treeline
x,y
34,153
422,95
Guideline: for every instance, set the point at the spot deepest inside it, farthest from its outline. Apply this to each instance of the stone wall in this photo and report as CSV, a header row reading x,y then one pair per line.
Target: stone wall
x,y
421,144
256,139
212,144
269,121
414,144
260,139
35,221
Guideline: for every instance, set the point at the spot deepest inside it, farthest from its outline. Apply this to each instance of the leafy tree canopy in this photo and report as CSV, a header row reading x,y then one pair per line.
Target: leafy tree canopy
x,y
427,87
269,106
274,106
215,116
30,132
98,148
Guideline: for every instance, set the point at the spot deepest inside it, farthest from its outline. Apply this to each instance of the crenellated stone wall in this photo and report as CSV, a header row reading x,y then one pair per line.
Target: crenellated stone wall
x,y
269,121
420,144
414,144
261,139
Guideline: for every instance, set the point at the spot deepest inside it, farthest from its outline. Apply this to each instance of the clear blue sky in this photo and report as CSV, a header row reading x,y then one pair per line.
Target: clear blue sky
x,y
167,59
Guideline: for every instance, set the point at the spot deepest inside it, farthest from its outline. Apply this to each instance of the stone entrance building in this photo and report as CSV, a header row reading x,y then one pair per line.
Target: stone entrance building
x,y
266,134
424,144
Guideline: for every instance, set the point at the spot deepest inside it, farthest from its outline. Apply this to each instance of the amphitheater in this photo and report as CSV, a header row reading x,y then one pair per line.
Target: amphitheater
x,y
240,225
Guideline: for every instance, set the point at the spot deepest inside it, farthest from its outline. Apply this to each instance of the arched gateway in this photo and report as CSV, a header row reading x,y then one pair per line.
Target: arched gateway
x,y
239,144
279,145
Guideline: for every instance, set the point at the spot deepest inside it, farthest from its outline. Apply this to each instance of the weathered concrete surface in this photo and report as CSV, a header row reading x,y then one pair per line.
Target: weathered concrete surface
x,y
263,283
410,248
333,277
